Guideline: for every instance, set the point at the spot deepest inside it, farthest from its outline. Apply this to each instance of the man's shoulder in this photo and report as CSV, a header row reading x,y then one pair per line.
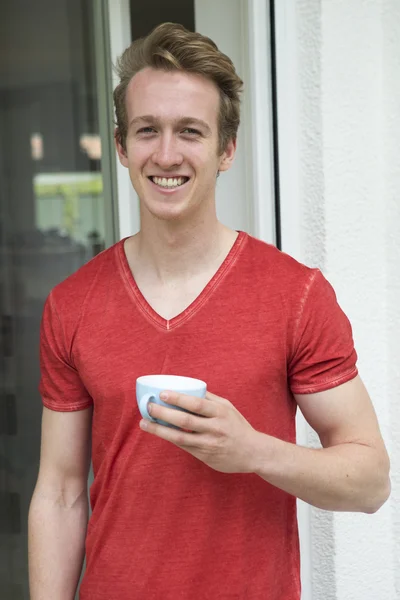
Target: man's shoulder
x,y
96,274
270,261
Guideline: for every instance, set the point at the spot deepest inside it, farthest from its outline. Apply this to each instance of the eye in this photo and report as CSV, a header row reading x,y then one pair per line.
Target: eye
x,y
190,131
146,130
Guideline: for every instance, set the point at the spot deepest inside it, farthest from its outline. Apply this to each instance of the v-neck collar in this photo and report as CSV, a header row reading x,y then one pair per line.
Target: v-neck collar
x,y
149,312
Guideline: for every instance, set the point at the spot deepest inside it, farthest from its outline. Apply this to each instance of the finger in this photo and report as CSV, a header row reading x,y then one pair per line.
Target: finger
x,y
199,406
174,436
179,418
217,399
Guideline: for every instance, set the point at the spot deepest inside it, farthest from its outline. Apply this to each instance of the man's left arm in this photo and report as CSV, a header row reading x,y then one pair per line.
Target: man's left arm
x,y
351,471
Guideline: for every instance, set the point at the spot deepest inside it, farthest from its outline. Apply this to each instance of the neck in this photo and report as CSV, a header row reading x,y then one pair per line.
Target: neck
x,y
175,251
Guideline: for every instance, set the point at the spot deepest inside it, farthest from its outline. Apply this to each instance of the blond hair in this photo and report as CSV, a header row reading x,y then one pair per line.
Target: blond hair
x,y
171,47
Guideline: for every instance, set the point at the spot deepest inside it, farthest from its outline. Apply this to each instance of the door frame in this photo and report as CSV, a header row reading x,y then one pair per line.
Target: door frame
x,y
120,38
288,127
260,118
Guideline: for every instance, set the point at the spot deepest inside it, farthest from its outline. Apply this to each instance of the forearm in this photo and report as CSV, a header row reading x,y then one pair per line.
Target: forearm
x,y
57,531
346,477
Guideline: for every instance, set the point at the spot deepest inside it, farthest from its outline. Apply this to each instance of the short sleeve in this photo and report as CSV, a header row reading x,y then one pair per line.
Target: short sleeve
x,y
60,385
323,353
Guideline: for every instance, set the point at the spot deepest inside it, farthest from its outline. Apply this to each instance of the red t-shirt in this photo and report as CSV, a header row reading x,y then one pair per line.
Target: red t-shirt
x,y
165,526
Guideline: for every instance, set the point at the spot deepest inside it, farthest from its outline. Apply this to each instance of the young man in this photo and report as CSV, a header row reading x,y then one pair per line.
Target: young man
x,y
207,509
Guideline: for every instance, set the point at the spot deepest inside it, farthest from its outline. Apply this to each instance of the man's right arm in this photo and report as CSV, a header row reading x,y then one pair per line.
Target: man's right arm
x,y
58,512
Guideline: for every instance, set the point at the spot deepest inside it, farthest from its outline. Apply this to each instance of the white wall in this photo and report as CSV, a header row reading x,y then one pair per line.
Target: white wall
x,y
347,72
391,178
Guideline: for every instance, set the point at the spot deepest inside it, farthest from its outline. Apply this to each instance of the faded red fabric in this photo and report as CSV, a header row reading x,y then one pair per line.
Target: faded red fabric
x,y
164,526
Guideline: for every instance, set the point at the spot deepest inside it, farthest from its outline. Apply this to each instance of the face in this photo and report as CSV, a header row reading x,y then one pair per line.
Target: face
x,y
172,143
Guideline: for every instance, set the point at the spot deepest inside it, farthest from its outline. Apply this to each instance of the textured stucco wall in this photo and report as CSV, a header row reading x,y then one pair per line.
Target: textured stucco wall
x,y
349,115
391,175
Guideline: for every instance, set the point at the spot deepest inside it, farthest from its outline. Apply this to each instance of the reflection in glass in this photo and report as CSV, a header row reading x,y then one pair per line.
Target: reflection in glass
x,y
52,220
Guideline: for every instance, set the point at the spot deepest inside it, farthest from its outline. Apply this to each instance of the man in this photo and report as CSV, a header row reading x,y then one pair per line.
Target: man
x,y
206,509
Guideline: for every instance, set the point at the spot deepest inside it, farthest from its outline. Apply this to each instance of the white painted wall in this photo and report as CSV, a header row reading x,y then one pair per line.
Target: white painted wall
x,y
391,178
346,68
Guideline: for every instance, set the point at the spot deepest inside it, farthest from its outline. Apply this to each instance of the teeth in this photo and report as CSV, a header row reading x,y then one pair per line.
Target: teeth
x,y
170,182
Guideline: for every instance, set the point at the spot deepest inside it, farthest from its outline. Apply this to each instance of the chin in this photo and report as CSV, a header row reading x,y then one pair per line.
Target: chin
x,y
169,212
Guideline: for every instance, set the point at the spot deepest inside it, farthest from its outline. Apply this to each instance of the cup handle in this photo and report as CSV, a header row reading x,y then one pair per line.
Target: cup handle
x,y
143,402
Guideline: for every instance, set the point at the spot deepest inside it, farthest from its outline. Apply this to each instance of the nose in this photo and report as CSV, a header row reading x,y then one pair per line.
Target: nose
x,y
167,154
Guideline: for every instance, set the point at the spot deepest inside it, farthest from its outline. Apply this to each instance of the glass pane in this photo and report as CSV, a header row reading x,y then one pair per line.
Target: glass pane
x,y
52,220
147,15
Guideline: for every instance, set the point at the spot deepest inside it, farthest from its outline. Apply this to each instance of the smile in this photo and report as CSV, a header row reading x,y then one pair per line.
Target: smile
x,y
169,183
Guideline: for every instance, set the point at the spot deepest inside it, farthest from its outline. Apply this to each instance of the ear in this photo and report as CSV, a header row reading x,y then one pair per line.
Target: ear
x,y
122,155
228,155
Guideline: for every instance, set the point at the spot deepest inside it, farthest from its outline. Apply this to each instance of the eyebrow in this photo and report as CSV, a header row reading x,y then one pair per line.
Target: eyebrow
x,y
182,122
